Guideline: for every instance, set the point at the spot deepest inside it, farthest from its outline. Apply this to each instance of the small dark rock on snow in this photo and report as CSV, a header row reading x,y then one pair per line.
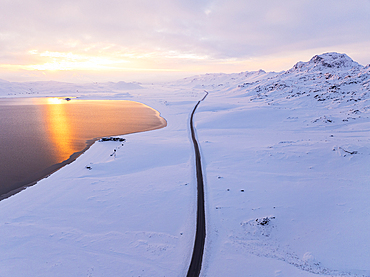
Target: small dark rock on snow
x,y
112,139
264,221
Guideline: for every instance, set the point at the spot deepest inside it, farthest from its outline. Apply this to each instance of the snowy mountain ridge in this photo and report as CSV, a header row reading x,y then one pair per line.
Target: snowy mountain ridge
x,y
325,62
330,80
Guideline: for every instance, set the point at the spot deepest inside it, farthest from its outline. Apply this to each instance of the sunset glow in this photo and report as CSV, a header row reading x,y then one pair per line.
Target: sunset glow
x,y
54,100
70,61
132,41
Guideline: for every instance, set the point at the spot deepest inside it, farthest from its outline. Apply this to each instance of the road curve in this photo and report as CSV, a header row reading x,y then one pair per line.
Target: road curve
x,y
200,235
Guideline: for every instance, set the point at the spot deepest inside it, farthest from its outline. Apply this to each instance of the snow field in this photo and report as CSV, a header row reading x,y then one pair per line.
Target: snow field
x,y
286,176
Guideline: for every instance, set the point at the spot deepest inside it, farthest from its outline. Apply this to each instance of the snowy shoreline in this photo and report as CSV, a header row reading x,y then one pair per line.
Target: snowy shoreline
x,y
285,159
48,171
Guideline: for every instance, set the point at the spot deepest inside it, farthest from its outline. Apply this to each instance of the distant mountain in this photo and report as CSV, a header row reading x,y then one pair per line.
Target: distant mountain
x,y
327,62
53,88
329,79
124,86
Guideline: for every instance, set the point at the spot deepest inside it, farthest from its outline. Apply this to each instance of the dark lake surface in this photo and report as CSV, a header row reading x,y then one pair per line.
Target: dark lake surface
x,y
39,135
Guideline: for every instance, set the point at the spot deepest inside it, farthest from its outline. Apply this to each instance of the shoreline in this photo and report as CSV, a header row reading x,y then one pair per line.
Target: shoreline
x,y
48,171
44,173
55,167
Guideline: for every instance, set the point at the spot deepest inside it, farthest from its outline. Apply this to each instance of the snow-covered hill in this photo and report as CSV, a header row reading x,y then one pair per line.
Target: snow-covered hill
x,y
286,164
332,79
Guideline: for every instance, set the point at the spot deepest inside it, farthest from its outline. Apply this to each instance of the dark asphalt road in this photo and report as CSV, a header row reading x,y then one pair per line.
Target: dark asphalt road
x,y
200,236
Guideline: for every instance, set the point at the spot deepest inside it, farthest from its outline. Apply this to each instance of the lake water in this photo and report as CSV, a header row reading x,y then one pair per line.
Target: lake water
x,y
39,135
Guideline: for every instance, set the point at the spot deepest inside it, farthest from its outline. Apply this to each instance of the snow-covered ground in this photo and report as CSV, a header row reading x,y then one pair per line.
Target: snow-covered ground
x,y
286,163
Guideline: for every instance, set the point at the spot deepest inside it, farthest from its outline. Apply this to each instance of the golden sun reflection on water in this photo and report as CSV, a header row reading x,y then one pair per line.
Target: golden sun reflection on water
x,y
70,124
40,135
59,128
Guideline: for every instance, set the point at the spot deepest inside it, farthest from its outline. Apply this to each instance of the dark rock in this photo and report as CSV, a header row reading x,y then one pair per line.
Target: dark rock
x,y
112,139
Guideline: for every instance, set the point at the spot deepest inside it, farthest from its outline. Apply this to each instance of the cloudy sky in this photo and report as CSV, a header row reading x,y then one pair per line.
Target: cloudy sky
x,y
146,40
